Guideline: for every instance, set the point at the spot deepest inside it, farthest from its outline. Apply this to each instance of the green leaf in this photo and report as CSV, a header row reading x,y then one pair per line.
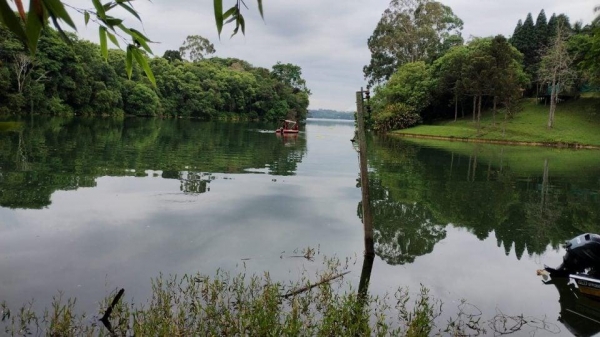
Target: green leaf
x,y
242,23
113,39
108,6
99,9
141,60
103,44
33,26
62,33
260,9
12,22
229,12
129,61
86,17
140,39
111,22
57,9
140,35
125,29
218,4
130,10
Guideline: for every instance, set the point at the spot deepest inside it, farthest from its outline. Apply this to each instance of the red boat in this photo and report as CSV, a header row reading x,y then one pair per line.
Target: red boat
x,y
288,126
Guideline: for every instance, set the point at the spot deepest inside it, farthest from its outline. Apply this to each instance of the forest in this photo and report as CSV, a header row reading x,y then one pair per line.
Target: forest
x,y
66,78
429,72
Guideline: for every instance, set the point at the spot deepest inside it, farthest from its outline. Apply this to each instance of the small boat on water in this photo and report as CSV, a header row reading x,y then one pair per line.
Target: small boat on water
x,y
288,126
581,264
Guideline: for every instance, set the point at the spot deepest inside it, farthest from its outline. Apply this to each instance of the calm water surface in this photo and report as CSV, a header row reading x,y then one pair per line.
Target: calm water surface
x,y
90,205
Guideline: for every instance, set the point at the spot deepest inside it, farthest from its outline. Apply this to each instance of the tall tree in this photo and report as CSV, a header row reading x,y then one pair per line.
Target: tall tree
x,y
196,48
410,31
525,41
555,68
478,71
541,31
172,55
449,72
508,77
291,75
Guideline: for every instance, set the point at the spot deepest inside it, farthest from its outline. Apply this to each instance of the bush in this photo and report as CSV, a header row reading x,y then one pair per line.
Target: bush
x,y
58,108
396,116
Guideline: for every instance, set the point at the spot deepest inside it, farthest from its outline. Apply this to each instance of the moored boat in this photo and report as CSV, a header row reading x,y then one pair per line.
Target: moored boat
x,y
288,126
581,264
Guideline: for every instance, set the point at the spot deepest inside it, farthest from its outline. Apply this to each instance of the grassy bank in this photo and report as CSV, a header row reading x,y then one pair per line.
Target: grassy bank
x,y
576,122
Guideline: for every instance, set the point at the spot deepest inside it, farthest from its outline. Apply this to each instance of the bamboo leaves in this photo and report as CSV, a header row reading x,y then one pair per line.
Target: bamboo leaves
x,y
28,26
233,14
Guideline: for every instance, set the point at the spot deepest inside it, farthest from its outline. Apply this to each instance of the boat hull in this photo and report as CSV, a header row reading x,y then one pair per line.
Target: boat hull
x,y
587,285
286,131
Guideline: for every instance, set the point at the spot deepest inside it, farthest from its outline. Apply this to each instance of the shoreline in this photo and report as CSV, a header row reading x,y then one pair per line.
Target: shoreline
x,y
498,141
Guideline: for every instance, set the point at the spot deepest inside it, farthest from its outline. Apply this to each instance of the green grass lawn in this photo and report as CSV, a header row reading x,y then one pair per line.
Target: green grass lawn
x,y
576,121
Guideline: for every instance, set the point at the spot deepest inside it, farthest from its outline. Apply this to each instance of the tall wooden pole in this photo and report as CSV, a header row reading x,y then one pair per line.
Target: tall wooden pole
x,y
364,177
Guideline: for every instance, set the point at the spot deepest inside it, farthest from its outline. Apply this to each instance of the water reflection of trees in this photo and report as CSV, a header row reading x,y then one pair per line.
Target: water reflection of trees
x,y
418,190
66,154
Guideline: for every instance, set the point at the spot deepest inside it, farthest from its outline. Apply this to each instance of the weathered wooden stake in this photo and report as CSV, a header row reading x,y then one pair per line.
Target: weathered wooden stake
x,y
364,177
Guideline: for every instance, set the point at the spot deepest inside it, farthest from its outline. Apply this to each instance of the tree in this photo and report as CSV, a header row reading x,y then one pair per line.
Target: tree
x,y
541,30
291,75
401,102
172,55
449,72
410,31
555,68
196,47
22,66
525,40
508,77
478,69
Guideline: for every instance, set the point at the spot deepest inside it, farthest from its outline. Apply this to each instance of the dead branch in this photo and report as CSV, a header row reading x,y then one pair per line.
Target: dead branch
x,y
311,286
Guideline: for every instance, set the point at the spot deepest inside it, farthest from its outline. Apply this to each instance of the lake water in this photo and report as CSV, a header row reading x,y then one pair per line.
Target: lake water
x,y
90,205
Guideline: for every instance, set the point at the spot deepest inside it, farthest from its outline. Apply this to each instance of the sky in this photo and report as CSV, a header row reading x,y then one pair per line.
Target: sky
x,y
326,38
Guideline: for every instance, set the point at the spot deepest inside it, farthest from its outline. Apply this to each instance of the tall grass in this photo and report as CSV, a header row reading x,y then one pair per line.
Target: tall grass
x,y
244,305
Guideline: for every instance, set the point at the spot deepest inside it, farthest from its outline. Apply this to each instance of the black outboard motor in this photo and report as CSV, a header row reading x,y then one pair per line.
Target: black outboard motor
x,y
583,252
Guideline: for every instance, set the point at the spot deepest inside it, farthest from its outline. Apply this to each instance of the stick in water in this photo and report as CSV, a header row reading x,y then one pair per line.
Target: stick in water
x,y
310,286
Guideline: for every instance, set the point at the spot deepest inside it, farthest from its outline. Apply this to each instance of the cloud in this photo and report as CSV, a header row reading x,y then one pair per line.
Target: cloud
x,y
328,39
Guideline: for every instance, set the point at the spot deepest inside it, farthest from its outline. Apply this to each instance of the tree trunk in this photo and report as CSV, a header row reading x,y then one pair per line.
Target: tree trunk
x,y
494,110
504,123
474,106
479,115
455,107
553,94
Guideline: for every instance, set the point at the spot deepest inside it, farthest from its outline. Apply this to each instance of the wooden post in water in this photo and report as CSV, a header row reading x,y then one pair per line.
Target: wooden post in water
x,y
364,177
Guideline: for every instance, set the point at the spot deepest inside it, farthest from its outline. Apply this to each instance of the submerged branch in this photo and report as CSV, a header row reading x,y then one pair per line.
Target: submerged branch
x,y
311,286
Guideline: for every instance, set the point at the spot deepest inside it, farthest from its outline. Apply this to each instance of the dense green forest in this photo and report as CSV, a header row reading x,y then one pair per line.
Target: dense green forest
x,y
330,114
428,72
73,79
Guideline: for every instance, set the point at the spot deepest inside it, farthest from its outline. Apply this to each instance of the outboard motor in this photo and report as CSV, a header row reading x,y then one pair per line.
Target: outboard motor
x,y
583,252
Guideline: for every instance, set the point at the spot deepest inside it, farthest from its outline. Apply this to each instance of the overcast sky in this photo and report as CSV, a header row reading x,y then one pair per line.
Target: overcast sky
x,y
327,38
